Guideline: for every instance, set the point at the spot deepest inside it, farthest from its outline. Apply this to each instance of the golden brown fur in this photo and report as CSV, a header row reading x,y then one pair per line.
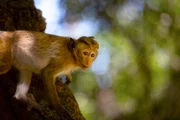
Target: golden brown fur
x,y
45,54
5,53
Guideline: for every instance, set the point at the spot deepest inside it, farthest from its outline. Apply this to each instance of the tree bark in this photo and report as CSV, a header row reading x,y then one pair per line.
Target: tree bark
x,y
22,15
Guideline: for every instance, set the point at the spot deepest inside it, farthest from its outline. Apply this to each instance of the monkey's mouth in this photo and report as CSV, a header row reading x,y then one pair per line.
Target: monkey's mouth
x,y
84,67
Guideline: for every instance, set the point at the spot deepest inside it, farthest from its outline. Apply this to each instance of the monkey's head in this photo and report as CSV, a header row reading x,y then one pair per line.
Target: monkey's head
x,y
85,51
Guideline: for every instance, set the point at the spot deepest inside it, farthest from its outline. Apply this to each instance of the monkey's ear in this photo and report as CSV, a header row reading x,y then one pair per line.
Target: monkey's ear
x,y
94,41
71,45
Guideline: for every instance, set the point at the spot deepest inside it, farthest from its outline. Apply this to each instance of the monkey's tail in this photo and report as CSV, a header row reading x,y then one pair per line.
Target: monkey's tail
x,y
5,56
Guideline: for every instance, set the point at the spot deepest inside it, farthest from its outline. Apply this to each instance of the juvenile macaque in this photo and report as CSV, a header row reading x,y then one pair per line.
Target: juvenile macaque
x,y
45,54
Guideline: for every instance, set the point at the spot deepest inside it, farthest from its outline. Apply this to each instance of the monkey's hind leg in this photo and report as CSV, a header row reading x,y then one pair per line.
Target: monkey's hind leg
x,y
23,85
22,90
5,56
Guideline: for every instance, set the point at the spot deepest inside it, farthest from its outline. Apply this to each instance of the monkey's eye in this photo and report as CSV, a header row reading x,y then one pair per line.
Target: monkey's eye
x,y
85,53
92,55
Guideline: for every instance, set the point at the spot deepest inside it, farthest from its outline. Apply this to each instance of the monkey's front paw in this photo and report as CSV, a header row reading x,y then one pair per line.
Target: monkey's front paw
x,y
68,79
67,82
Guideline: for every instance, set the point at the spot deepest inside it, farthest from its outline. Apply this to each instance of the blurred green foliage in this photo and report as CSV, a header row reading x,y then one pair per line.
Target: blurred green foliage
x,y
142,80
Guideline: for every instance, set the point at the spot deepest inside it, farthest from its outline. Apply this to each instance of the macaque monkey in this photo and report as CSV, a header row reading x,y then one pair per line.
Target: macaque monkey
x,y
44,54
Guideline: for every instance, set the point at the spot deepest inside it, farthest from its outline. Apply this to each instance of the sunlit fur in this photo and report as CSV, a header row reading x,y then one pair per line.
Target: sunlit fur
x,y
45,54
5,53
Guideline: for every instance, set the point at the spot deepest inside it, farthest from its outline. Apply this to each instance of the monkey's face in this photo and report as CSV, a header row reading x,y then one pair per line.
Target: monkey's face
x,y
85,51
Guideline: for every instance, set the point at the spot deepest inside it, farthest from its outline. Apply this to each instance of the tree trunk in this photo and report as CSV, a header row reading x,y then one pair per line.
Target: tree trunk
x,y
22,14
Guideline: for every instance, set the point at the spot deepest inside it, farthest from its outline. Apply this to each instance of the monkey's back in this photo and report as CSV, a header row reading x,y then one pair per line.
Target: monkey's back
x,y
24,47
34,50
